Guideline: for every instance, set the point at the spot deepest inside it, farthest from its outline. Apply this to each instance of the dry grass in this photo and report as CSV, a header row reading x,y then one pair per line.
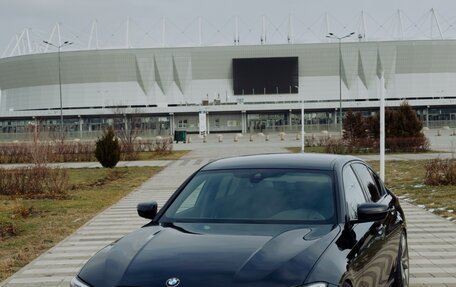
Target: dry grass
x,y
29,227
322,149
309,149
406,178
176,154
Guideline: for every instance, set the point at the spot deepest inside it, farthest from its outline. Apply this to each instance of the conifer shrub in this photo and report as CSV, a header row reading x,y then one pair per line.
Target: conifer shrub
x,y
107,149
402,130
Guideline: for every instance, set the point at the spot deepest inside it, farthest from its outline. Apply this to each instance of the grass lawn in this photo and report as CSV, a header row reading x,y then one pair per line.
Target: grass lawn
x,y
40,224
310,149
321,149
405,178
175,154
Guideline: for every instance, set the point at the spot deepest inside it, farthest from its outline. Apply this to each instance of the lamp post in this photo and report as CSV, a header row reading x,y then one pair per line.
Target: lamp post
x,y
66,43
302,121
332,36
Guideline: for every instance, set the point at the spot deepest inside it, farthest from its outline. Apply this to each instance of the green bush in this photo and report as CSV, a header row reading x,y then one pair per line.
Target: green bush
x,y
402,129
399,123
354,126
107,149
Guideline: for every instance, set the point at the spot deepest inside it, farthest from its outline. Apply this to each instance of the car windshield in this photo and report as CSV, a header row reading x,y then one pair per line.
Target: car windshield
x,y
255,195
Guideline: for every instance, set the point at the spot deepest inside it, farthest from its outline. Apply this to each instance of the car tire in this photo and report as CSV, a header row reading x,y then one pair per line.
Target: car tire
x,y
401,276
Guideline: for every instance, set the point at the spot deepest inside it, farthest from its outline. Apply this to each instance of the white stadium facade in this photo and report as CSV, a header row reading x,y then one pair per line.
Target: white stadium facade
x,y
168,88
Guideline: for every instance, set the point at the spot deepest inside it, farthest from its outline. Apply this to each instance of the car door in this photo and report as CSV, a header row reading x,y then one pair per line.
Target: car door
x,y
384,234
392,226
361,238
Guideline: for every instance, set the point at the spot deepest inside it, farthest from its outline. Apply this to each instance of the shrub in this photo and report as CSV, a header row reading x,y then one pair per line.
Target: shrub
x,y
8,229
107,149
129,151
20,210
354,126
336,146
37,181
163,146
399,123
402,129
407,144
440,172
43,152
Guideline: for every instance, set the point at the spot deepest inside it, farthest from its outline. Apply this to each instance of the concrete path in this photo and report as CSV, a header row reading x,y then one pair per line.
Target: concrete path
x,y
432,239
432,248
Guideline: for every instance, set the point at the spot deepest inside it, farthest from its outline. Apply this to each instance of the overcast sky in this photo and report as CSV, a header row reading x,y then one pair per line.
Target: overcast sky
x,y
77,16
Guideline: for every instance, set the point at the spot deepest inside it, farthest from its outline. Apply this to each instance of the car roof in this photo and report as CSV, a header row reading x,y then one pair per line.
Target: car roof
x,y
311,161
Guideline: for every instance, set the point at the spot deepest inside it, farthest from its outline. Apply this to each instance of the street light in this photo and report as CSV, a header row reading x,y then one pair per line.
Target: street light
x,y
302,121
66,43
332,36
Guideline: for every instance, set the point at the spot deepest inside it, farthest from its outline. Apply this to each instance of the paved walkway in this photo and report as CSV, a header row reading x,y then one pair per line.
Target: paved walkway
x,y
432,243
432,239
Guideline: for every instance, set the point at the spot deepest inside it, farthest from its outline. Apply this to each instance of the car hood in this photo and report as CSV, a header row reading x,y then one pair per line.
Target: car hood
x,y
202,255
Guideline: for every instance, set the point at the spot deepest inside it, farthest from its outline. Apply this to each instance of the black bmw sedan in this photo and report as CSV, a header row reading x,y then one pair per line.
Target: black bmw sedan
x,y
286,220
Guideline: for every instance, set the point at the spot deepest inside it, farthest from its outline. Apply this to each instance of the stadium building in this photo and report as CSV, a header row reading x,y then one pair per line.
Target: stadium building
x,y
244,89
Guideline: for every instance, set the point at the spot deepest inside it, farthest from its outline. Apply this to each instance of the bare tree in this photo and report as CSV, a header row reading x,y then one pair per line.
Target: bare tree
x,y
127,126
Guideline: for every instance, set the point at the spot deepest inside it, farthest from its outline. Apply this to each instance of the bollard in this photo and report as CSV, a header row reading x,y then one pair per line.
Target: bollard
x,y
282,136
204,139
266,138
220,138
236,139
251,138
298,136
439,133
189,140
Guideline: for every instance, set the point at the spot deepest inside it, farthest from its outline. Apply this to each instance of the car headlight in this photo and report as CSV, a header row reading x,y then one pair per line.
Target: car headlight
x,y
76,282
319,284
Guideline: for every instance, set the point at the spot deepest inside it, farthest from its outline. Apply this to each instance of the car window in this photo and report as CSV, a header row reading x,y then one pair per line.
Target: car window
x,y
354,194
378,183
256,194
367,181
190,201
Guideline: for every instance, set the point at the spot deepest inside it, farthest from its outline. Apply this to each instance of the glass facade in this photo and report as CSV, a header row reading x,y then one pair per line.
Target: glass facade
x,y
150,126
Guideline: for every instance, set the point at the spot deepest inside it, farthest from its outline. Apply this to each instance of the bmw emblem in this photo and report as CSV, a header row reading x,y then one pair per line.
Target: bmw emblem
x,y
172,282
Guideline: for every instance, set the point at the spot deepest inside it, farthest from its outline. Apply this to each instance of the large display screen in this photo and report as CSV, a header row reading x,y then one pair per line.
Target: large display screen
x,y
258,76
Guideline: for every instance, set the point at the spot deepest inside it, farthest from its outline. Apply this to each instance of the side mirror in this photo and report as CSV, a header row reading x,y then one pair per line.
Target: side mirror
x,y
147,209
369,212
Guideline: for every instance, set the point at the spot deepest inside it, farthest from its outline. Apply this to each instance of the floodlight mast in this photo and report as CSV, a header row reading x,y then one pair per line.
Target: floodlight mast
x,y
59,47
333,36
